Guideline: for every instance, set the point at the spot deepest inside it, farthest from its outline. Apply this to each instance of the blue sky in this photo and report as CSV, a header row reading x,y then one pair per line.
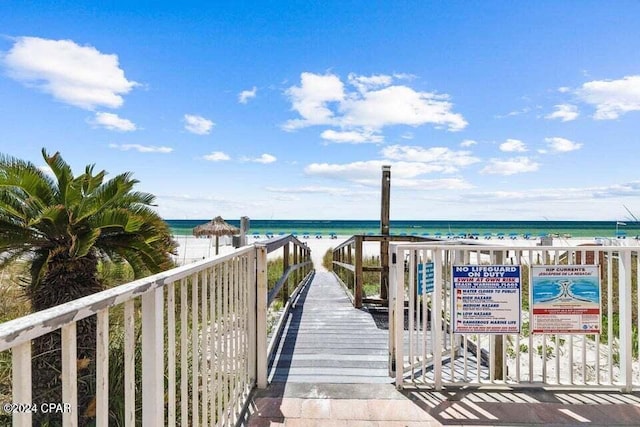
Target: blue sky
x,y
484,110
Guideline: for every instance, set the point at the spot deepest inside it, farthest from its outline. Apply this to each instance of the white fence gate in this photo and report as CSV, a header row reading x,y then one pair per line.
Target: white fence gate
x,y
425,350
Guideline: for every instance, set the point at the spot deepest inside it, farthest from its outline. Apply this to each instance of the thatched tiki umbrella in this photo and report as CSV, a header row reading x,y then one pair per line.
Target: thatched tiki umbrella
x,y
216,227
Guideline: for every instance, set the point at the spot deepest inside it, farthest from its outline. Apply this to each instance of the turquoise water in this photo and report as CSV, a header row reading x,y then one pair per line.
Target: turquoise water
x,y
431,227
583,289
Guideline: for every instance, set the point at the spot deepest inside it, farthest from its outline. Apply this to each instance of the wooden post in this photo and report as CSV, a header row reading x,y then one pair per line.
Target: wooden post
x,y
285,265
351,282
384,231
244,227
357,293
296,260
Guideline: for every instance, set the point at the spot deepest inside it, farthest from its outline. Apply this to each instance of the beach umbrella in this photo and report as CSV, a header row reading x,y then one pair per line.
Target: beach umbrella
x,y
216,227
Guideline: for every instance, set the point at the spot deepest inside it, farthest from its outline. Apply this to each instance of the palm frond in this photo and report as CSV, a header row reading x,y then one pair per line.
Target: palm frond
x,y
61,170
82,244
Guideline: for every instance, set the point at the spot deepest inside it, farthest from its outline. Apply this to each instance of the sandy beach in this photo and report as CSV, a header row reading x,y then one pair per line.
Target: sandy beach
x,y
192,249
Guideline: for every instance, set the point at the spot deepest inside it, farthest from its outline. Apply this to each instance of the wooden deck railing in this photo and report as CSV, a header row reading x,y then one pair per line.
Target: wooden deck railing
x,y
195,341
300,270
348,262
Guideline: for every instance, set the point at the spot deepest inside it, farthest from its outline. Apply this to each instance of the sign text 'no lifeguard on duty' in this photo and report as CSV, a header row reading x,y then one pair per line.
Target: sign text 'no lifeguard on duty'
x,y
486,299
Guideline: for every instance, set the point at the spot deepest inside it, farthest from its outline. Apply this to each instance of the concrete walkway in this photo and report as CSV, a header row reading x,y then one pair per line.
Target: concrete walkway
x,y
382,405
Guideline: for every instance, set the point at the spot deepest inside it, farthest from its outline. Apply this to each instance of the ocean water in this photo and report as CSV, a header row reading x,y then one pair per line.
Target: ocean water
x,y
420,228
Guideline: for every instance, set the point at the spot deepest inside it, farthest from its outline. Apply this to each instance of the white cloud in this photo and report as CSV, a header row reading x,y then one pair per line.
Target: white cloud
x,y
365,84
562,145
352,137
141,148
400,105
264,159
525,110
630,189
612,98
442,158
374,104
113,122
217,156
77,75
311,99
198,124
513,145
368,172
564,112
510,166
246,95
564,89
310,190
403,175
468,143
432,184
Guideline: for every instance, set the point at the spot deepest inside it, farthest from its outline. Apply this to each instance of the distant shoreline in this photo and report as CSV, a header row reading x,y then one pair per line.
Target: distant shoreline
x,y
427,228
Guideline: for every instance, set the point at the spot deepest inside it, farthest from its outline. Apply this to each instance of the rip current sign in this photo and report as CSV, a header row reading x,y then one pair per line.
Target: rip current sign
x,y
486,299
566,299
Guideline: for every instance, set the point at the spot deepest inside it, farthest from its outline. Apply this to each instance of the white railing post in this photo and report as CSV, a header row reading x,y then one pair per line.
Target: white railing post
x,y
102,368
21,380
70,374
129,364
152,358
261,315
436,316
252,325
626,341
399,316
393,286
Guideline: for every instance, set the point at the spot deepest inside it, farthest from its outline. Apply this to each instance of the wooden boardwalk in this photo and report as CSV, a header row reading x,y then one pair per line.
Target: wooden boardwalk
x,y
326,340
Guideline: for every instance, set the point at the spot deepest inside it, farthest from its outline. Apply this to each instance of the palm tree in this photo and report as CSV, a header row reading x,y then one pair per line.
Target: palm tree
x,y
64,226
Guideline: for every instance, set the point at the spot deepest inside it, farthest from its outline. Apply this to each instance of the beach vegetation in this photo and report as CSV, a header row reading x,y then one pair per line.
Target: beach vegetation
x,y
370,279
546,353
64,226
327,259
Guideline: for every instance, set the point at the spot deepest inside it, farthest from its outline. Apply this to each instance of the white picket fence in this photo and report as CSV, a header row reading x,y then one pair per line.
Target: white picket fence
x,y
425,351
203,328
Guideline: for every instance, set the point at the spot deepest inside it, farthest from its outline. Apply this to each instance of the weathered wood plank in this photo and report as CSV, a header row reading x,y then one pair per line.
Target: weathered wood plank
x,y
327,340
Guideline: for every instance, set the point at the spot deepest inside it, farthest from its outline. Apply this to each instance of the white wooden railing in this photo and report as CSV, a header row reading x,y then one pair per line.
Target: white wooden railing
x,y
203,342
424,350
